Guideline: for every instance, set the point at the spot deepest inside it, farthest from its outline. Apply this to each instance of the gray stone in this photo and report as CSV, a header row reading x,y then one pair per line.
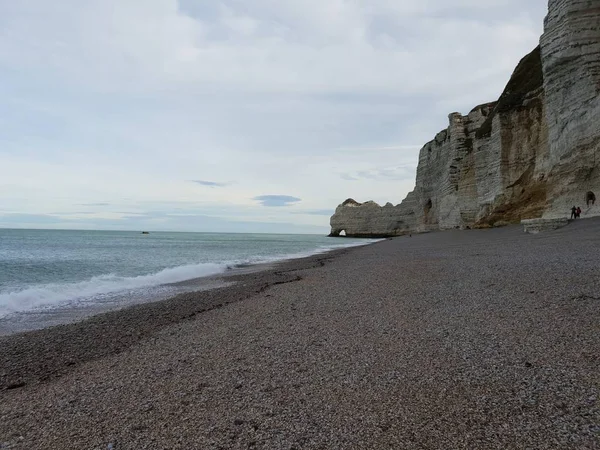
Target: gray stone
x,y
535,226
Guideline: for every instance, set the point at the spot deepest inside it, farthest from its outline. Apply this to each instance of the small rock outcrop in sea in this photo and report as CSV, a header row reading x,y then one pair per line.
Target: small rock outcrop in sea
x,y
533,153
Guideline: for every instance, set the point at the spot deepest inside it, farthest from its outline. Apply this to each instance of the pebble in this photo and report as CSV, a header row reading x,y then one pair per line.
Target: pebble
x,y
401,344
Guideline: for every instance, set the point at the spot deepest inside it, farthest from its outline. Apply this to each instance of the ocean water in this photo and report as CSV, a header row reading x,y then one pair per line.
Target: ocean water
x,y
45,270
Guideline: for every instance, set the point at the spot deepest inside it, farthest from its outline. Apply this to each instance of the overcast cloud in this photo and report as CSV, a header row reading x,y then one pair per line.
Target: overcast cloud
x,y
183,115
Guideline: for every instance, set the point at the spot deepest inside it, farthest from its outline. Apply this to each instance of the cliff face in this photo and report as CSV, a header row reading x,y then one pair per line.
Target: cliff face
x,y
571,57
530,154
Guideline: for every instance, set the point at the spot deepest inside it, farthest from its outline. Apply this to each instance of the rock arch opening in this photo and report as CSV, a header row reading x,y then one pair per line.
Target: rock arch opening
x,y
428,207
590,198
337,233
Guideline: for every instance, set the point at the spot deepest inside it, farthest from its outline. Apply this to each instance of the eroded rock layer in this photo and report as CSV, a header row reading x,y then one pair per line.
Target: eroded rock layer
x,y
571,67
533,153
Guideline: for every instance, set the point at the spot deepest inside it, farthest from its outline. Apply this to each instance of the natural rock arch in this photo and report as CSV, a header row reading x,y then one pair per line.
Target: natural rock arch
x,y
427,212
428,207
337,233
590,198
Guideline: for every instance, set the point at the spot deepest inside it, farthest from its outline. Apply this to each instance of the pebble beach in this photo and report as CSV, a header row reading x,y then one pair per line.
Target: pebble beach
x,y
476,339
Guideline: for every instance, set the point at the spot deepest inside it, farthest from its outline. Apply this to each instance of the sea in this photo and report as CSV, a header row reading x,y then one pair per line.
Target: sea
x,y
49,277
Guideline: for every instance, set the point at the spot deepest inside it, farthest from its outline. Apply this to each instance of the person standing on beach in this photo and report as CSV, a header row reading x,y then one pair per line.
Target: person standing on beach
x,y
578,212
573,212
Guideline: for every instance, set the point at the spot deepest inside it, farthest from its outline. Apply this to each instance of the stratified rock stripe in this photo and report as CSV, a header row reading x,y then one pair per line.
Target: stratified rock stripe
x,y
535,152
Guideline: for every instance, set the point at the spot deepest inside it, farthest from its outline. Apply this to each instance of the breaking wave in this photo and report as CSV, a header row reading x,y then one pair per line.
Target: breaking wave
x,y
49,295
102,287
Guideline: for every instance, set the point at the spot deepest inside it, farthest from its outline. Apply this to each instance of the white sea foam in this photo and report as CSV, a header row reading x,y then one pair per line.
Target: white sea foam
x,y
94,289
322,249
49,295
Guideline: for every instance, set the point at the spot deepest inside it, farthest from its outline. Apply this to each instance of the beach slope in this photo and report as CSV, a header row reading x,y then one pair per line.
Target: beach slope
x,y
484,339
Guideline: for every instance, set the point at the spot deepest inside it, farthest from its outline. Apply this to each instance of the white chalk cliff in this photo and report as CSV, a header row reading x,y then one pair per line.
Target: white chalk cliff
x,y
533,153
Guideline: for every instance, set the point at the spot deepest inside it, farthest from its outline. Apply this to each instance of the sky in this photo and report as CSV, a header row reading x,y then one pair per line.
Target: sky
x,y
235,115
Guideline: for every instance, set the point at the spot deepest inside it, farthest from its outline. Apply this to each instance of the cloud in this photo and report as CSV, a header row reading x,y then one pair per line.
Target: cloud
x,y
315,212
17,219
298,46
401,172
118,104
276,200
210,183
157,221
388,173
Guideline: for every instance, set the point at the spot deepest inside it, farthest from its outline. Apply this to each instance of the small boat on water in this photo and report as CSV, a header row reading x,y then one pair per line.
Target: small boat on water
x,y
145,232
